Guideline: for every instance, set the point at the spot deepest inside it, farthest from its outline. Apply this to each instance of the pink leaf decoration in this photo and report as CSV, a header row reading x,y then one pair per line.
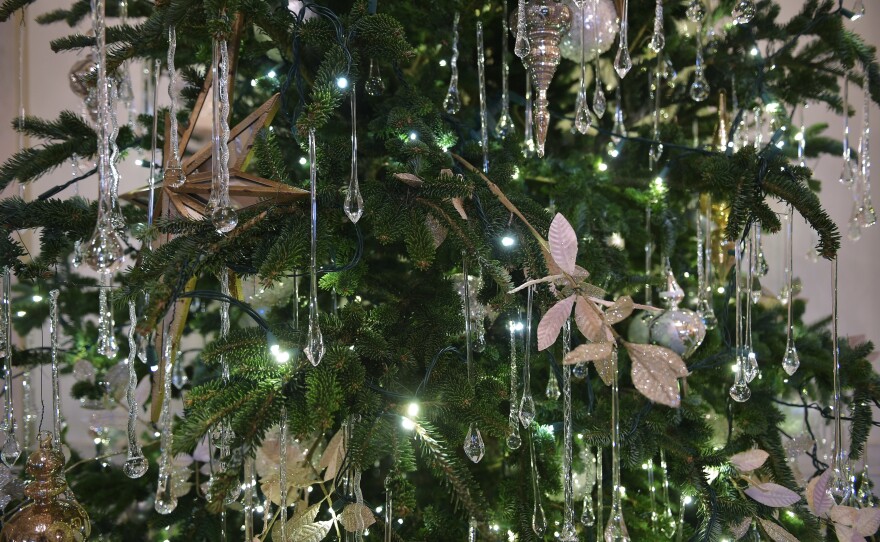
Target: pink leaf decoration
x,y
774,495
552,322
843,515
655,372
847,534
750,460
776,532
563,243
819,499
867,521
458,203
620,310
589,321
589,352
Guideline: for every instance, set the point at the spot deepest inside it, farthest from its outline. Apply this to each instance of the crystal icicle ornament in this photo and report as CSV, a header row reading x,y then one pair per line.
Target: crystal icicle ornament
x,y
504,126
867,215
514,441
354,201
472,530
656,149
569,532
107,346
389,508
173,173
552,391
227,436
840,484
539,520
166,500
751,366
528,131
315,348
622,62
11,450
374,85
484,116
739,391
250,497
56,393
521,48
791,361
527,403
136,464
452,102
744,11
473,442
600,510
615,530
699,90
223,216
652,494
667,524
588,516
704,265
283,482
847,173
658,40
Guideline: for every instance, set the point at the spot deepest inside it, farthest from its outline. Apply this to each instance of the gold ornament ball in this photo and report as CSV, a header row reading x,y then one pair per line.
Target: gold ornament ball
x,y
50,517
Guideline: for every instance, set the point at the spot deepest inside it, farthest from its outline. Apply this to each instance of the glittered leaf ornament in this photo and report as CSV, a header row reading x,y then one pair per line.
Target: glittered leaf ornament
x,y
589,352
776,532
773,495
333,456
356,517
552,322
655,372
750,460
563,243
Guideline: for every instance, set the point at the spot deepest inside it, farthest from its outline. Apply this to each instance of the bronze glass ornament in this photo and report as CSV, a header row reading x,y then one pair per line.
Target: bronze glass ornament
x,y
51,516
546,23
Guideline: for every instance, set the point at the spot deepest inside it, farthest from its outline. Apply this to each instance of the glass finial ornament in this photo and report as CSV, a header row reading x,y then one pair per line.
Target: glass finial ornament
x,y
173,172
314,350
223,216
136,464
623,62
546,22
699,90
504,126
49,515
474,447
615,529
696,11
744,11
681,330
658,40
354,201
374,85
527,403
514,441
452,102
791,361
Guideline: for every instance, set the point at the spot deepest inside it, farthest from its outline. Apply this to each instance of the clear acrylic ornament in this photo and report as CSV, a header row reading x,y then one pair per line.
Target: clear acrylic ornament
x,y
527,403
173,173
374,85
136,464
223,215
615,529
569,532
514,441
452,101
622,61
484,116
504,126
744,11
354,201
658,39
521,47
474,447
539,519
791,361
314,350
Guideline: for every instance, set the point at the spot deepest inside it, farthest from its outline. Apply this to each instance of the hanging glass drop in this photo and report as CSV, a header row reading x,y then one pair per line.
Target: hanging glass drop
x,y
847,173
867,215
739,391
623,62
696,11
791,361
484,117
600,104
588,516
136,464
528,131
615,530
600,510
315,348
56,393
658,40
223,216
389,508
166,500
521,47
504,126
582,117
667,524
375,85
527,404
107,346
514,441
472,530
699,90
11,450
652,494
284,484
744,11
655,152
354,202
751,365
858,10
840,486
552,391
705,310
249,500
474,447
452,102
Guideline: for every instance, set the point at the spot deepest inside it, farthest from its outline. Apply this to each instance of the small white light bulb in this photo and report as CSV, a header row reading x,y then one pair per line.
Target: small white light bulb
x,y
412,410
342,82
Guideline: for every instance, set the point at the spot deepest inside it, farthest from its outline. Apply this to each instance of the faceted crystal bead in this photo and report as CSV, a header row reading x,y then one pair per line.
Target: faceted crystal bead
x,y
740,392
527,410
791,361
696,11
700,87
552,390
514,441
744,11
473,444
224,219
599,102
135,467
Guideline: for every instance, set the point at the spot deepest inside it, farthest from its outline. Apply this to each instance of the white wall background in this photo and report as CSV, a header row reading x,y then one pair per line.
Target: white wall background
x,y
47,92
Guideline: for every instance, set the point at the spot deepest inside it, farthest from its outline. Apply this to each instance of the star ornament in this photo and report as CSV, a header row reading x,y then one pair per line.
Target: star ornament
x,y
655,369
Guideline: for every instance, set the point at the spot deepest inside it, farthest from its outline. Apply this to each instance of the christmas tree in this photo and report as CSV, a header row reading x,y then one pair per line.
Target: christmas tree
x,y
430,272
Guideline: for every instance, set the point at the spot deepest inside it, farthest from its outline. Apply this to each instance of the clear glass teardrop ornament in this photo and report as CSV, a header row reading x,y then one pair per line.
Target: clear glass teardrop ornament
x,y
600,104
582,119
791,361
744,11
474,447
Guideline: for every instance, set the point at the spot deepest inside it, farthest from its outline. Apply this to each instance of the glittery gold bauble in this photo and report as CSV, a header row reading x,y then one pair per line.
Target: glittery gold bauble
x,y
50,517
546,22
